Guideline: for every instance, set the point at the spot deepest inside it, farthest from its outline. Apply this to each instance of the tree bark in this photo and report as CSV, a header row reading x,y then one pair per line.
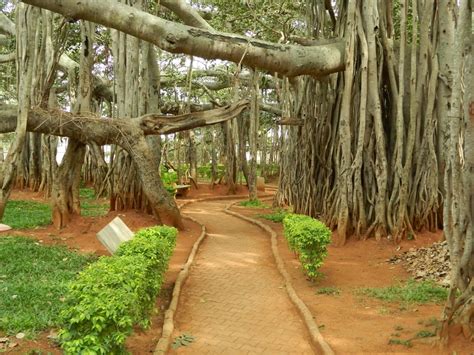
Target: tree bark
x,y
66,181
456,23
253,137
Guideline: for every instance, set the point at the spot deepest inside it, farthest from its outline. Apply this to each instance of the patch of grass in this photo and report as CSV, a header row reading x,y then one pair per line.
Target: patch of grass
x,y
33,281
26,214
94,209
406,343
276,216
425,334
90,206
409,292
330,291
86,193
253,204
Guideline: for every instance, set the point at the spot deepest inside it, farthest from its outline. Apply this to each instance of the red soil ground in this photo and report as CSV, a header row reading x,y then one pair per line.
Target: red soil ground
x,y
349,322
354,323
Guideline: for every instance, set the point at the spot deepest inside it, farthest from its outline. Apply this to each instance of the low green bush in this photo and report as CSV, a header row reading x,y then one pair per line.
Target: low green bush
x,y
112,295
309,238
169,178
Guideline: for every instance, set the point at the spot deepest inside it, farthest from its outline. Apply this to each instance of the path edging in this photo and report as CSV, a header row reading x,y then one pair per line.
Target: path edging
x,y
315,335
168,323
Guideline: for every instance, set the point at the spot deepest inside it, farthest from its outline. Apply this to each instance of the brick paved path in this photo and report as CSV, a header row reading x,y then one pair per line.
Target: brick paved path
x,y
234,301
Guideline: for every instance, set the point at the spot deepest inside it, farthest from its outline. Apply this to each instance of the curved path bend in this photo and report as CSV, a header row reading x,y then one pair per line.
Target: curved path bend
x,y
234,301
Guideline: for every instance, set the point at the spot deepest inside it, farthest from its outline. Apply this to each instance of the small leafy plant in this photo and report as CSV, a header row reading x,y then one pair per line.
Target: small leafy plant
x,y
425,334
309,238
169,178
116,293
182,340
406,343
330,291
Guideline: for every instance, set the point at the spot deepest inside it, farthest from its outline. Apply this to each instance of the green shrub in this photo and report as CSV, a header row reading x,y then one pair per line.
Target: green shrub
x,y
309,238
169,178
116,293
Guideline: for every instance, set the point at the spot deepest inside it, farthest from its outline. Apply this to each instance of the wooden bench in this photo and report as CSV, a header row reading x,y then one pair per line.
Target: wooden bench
x,y
182,190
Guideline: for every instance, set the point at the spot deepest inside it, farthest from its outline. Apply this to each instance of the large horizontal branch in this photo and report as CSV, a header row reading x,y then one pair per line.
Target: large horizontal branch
x,y
7,27
286,59
160,124
10,57
174,108
102,131
4,40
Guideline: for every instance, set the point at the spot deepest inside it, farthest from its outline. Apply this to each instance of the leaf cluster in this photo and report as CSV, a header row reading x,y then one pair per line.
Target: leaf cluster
x,y
112,295
309,238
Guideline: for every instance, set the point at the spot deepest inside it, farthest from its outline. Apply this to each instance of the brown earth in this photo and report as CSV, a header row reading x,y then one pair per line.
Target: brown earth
x,y
80,235
351,323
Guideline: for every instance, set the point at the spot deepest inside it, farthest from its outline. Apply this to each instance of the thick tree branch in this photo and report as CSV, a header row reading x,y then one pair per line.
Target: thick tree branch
x,y
7,27
153,124
10,57
288,60
114,131
4,40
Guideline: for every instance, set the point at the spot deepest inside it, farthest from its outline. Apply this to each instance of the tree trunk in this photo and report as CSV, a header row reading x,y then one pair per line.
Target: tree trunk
x,y
456,45
253,136
65,192
26,27
163,206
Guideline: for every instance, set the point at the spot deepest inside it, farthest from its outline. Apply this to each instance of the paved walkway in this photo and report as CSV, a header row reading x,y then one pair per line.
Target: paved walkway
x,y
234,301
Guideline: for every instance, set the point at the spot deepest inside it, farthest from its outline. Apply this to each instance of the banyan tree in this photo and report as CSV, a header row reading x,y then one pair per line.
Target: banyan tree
x,y
375,136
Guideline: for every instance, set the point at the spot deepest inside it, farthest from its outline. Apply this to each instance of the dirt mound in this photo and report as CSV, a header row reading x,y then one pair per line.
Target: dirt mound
x,y
429,263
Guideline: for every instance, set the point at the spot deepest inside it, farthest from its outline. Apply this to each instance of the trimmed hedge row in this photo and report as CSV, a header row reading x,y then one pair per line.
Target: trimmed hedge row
x,y
309,238
115,293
